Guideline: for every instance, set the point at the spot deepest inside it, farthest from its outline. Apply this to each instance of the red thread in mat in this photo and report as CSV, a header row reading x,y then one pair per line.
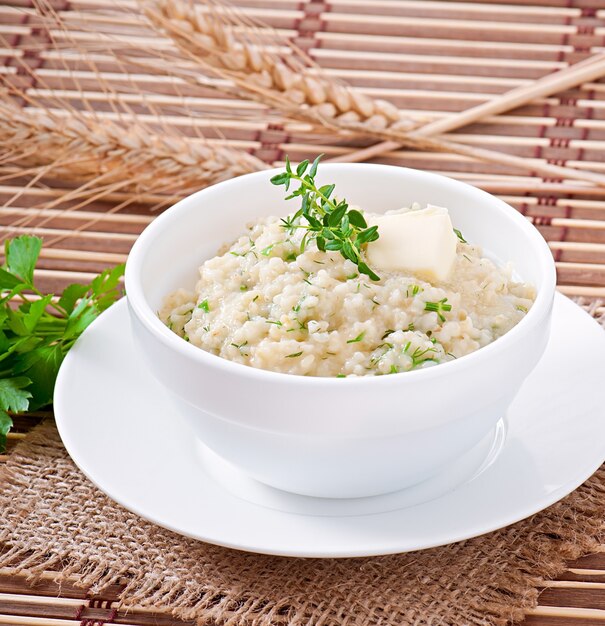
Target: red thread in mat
x,y
546,220
542,220
79,612
568,101
97,603
565,38
271,141
547,201
588,116
582,30
561,121
568,212
542,130
275,136
585,30
568,120
310,24
31,56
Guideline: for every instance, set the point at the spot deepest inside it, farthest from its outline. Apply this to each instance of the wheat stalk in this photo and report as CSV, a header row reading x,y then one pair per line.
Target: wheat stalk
x,y
85,148
103,158
50,139
98,152
223,41
218,38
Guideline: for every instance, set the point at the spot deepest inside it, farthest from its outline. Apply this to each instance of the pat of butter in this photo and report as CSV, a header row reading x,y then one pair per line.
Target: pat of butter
x,y
422,242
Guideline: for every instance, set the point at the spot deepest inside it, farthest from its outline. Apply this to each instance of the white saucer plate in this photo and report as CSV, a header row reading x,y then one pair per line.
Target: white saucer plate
x,y
119,427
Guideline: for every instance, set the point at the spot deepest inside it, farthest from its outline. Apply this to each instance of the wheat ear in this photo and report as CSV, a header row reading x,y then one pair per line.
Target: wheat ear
x,y
220,39
84,148
225,42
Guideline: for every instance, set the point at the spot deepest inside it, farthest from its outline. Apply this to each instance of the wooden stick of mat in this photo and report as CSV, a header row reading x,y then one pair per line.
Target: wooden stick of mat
x,y
588,70
583,571
567,612
571,584
548,170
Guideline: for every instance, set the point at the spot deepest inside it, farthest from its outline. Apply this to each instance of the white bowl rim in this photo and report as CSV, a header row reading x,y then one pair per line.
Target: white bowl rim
x,y
146,315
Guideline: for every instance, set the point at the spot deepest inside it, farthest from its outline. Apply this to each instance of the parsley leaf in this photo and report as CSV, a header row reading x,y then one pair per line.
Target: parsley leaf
x,y
42,366
21,256
71,295
37,330
8,280
6,423
13,395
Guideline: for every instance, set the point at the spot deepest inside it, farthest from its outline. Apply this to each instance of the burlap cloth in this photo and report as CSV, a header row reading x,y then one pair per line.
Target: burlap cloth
x,y
52,517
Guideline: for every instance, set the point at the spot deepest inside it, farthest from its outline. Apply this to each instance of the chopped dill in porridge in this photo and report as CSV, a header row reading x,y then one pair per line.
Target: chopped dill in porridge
x,y
274,300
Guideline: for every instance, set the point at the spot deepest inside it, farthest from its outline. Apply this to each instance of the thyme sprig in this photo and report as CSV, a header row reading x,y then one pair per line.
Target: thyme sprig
x,y
327,221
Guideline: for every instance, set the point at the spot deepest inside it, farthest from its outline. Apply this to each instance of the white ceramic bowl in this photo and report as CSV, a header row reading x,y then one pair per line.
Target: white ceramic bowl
x,y
333,437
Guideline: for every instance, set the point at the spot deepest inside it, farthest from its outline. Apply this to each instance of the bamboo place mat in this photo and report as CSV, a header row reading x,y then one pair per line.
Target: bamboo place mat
x,y
431,58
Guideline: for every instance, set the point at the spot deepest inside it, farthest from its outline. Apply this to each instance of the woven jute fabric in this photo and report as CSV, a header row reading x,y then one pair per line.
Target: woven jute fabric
x,y
52,517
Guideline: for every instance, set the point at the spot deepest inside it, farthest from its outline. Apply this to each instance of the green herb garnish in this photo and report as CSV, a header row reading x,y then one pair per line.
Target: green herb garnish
x,y
36,335
438,307
329,222
293,356
385,347
459,235
340,376
419,356
204,306
358,338
267,251
414,289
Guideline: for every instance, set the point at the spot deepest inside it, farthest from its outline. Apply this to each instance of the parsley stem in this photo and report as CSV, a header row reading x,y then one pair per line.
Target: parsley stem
x,y
51,304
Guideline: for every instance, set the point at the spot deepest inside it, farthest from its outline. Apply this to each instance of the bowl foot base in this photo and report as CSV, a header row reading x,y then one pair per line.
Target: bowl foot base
x,y
461,471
